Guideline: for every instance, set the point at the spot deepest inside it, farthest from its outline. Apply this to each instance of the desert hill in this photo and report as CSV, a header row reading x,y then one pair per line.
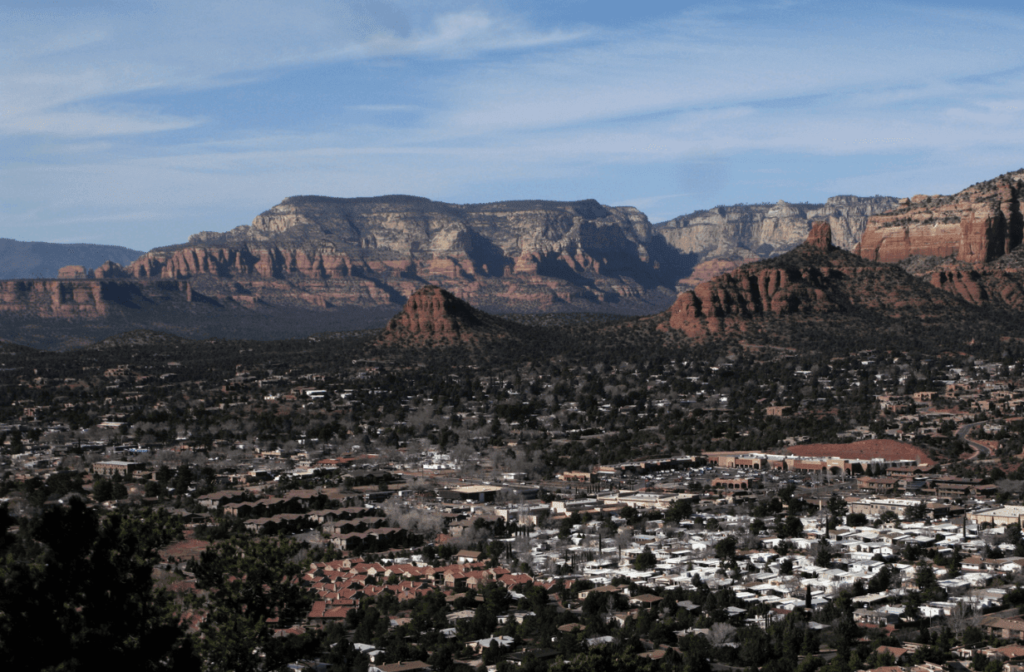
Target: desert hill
x,y
319,253
314,264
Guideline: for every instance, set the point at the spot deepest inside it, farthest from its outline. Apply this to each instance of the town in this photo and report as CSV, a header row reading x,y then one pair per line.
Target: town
x,y
754,510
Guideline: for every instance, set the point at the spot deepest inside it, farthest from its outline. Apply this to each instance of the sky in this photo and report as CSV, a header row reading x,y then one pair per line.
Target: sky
x,y
139,123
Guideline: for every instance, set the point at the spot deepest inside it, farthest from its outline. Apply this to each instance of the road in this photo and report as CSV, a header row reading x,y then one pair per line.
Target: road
x,y
981,450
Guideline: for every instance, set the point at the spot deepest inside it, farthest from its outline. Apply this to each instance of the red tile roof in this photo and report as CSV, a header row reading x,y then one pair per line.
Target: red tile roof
x,y
887,449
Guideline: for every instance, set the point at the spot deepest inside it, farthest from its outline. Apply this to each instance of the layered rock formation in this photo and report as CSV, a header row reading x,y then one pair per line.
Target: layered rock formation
x,y
370,252
977,225
968,244
749,232
56,314
316,264
434,317
70,298
816,283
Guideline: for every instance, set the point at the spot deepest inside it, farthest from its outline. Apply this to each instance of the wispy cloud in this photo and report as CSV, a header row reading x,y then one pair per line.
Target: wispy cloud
x,y
385,108
708,61
231,106
50,62
88,124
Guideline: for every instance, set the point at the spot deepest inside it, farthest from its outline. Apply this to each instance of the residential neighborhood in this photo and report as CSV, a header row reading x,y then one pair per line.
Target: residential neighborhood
x,y
868,507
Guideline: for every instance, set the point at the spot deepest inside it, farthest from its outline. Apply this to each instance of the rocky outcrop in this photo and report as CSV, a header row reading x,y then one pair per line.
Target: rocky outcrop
x,y
981,286
977,225
71,272
53,298
76,298
434,317
996,284
814,282
750,232
820,237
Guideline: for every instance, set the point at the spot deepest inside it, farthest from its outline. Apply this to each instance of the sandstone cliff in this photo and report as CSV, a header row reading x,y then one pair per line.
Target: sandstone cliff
x,y
63,298
977,225
315,264
521,256
57,314
750,232
816,285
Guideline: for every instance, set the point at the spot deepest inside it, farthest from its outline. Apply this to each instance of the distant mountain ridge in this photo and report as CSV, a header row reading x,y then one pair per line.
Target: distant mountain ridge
x,y
29,260
316,264
725,237
515,256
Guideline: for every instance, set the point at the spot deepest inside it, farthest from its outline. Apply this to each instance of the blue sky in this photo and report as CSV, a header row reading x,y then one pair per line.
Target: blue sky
x,y
138,123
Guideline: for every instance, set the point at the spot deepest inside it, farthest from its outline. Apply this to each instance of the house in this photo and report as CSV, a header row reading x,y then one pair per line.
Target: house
x,y
520,657
1012,652
216,500
238,509
644,600
584,594
461,615
875,617
111,467
1006,628
403,666
502,641
322,613
899,654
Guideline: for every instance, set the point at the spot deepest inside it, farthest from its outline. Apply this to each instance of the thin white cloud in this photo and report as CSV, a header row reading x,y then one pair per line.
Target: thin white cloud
x,y
195,45
384,108
561,106
707,61
89,124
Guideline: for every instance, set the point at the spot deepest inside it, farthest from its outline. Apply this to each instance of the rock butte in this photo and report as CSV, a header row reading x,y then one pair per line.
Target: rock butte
x,y
434,317
968,244
814,280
